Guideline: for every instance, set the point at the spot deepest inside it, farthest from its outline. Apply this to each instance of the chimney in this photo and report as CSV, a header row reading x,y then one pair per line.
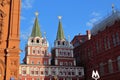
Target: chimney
x,y
88,34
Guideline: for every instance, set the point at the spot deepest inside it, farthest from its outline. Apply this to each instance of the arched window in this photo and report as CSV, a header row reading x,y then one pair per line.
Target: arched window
x,y
101,68
42,52
70,63
63,43
58,42
32,62
110,66
117,38
37,41
38,62
24,71
118,62
33,51
36,71
32,41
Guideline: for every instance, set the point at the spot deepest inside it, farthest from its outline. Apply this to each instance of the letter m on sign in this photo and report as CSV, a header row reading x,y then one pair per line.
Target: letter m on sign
x,y
95,75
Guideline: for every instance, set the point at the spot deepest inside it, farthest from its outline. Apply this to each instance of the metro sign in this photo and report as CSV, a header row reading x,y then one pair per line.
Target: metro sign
x,y
95,75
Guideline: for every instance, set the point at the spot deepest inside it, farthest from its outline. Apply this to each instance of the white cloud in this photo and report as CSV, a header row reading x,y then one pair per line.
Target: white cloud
x,y
24,36
91,21
27,4
22,17
95,14
95,17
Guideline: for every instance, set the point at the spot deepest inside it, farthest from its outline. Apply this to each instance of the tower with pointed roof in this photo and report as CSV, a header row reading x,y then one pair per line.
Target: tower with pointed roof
x,y
38,65
62,53
36,56
37,46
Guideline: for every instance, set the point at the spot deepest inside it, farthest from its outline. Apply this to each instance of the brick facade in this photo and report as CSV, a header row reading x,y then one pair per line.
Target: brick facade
x,y
9,39
38,64
101,52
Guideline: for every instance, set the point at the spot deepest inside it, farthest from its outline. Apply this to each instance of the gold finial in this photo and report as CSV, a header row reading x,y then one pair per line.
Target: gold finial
x,y
59,17
36,13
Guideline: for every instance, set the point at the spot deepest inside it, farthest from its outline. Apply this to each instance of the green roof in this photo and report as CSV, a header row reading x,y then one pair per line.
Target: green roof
x,y
60,32
36,29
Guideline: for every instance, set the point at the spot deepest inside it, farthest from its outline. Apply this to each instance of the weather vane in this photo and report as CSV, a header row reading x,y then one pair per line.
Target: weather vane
x,y
113,8
36,13
59,17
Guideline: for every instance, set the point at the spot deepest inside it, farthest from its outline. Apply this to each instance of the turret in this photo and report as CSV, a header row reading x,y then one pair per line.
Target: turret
x,y
62,53
37,46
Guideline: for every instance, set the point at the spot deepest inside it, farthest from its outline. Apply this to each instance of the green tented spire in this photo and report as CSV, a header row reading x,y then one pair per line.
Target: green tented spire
x,y
60,32
36,28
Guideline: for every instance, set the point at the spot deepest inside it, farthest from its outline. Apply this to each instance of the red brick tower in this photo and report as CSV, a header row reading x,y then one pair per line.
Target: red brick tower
x,y
62,53
36,58
37,47
9,39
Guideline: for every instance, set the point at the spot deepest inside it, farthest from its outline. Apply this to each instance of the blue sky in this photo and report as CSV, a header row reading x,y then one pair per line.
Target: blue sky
x,y
77,17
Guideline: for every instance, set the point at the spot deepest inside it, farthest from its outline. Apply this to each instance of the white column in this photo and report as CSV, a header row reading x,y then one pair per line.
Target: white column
x,y
72,52
74,62
27,60
82,72
28,50
56,62
76,71
57,71
28,70
50,71
56,52
20,70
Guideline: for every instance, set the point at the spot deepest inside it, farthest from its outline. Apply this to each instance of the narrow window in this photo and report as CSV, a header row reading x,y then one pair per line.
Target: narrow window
x,y
39,62
63,43
24,72
101,69
32,62
108,43
33,51
114,40
110,66
37,41
118,62
32,41
105,44
98,47
117,38
42,52
36,72
58,42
